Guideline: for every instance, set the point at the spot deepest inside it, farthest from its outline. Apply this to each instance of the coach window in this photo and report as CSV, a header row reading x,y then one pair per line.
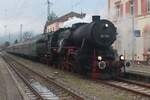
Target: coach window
x,y
148,6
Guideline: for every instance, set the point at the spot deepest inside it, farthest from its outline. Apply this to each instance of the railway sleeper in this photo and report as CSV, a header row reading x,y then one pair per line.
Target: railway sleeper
x,y
62,93
66,98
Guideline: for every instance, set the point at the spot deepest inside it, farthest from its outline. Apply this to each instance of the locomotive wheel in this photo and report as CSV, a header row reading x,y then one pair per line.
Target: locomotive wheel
x,y
74,65
61,64
77,68
42,60
67,66
64,65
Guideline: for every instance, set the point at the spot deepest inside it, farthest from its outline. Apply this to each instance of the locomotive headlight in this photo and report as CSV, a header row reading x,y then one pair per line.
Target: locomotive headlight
x,y
99,58
122,57
106,25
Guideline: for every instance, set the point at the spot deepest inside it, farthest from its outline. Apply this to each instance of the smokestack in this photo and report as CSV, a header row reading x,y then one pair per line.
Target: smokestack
x,y
95,18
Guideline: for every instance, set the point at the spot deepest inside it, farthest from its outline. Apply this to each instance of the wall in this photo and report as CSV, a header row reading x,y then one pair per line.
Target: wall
x,y
126,42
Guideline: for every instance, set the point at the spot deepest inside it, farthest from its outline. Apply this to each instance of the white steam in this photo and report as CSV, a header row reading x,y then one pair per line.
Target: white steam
x,y
124,39
86,19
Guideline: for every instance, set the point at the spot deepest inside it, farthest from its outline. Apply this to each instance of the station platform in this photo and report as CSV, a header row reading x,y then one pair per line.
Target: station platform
x,y
8,88
139,69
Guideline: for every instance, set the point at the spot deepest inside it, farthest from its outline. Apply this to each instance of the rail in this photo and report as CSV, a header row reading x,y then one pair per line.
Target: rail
x,y
50,80
36,93
129,85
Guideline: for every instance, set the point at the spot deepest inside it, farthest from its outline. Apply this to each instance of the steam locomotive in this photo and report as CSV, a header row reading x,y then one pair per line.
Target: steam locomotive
x,y
84,48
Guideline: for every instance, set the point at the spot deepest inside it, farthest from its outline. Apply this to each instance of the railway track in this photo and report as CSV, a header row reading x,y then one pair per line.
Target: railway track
x,y
139,76
37,91
138,88
65,94
29,90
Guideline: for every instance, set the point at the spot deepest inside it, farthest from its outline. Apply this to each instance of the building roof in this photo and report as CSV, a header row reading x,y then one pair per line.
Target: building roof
x,y
66,16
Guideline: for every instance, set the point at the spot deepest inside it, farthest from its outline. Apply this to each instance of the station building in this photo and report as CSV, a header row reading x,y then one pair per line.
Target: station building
x,y
132,16
56,24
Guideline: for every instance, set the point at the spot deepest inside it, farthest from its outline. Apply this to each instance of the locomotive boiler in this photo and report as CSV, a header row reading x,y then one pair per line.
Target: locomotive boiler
x,y
84,48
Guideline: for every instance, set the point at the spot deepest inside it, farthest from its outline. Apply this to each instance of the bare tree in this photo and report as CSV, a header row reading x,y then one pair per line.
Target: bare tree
x,y
7,43
16,41
52,16
27,35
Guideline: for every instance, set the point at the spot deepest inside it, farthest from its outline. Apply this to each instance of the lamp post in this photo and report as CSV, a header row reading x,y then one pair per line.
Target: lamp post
x,y
21,33
133,35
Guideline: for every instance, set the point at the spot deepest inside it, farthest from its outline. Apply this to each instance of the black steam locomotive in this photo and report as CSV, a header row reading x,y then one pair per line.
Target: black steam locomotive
x,y
85,48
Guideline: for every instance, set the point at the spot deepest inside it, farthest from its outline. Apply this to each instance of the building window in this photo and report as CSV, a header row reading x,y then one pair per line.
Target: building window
x,y
148,6
117,10
131,2
129,7
137,33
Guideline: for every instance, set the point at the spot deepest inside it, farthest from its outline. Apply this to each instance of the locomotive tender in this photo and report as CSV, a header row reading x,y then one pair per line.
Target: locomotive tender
x,y
85,48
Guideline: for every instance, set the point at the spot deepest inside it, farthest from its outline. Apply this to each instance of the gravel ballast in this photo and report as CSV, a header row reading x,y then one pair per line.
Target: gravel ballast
x,y
95,90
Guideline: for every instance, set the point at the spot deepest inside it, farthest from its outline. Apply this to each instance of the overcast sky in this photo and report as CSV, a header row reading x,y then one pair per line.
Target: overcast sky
x,y
32,13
